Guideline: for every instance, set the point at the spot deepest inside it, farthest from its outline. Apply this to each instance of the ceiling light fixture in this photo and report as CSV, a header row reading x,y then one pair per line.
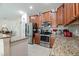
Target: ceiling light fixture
x,y
31,7
21,12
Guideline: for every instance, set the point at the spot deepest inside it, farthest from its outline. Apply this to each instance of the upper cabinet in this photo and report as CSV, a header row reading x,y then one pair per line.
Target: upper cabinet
x,y
73,10
69,12
77,9
59,15
53,18
46,16
32,19
65,14
39,21
35,19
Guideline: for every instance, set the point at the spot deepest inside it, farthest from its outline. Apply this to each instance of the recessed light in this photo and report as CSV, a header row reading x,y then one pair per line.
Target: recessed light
x,y
21,12
31,7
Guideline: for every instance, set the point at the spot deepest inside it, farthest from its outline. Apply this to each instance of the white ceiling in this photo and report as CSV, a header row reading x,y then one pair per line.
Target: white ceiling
x,y
10,10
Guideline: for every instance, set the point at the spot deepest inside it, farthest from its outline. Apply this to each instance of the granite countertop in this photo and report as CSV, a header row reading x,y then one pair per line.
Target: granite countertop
x,y
3,36
65,46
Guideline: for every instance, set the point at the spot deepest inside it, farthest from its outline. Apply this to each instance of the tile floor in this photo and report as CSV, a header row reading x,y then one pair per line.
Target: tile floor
x,y
21,48
37,50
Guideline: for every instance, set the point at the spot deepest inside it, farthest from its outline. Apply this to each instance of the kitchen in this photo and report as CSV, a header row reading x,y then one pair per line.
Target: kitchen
x,y
62,32
52,26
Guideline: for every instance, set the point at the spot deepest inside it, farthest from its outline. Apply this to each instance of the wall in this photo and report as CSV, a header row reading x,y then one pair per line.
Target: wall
x,y
74,28
16,26
23,21
12,24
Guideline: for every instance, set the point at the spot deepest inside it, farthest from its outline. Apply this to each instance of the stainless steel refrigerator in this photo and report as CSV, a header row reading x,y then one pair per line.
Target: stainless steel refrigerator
x,y
29,31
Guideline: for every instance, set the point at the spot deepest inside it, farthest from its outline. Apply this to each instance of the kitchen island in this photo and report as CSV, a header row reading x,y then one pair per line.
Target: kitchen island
x,y
65,46
5,45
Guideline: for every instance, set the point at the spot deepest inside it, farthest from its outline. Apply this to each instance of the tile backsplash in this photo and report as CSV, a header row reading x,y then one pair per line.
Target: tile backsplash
x,y
74,28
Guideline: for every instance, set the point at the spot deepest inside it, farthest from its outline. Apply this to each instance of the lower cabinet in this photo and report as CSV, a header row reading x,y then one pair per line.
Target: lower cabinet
x,y
36,38
59,15
51,41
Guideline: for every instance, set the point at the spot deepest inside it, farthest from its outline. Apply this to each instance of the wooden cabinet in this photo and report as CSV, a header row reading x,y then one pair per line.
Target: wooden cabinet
x,y
60,12
32,19
53,18
65,16
36,39
77,9
69,12
46,16
40,20
35,19
73,8
66,13
51,41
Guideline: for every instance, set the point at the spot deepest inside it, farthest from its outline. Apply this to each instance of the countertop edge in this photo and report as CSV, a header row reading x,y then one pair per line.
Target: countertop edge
x,y
4,37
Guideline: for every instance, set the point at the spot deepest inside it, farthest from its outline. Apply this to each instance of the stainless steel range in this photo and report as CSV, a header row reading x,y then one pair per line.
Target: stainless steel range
x,y
45,31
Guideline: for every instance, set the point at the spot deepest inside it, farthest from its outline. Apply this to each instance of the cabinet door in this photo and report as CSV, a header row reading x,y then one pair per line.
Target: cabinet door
x,y
60,15
32,19
40,22
37,38
65,14
47,16
69,12
72,11
53,18
77,9
37,20
51,41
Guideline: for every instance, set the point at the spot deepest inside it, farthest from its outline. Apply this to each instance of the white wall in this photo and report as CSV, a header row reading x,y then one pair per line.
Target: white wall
x,y
23,21
15,26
